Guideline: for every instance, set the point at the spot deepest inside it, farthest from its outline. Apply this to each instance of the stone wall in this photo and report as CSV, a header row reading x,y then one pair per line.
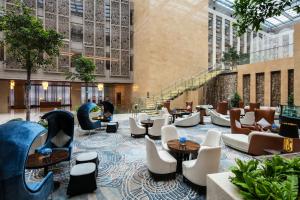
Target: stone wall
x,y
220,88
260,90
275,88
290,82
246,88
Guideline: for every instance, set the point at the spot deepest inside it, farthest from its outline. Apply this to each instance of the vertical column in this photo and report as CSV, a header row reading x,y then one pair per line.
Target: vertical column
x,y
223,40
283,86
51,22
125,38
100,37
214,41
115,38
63,7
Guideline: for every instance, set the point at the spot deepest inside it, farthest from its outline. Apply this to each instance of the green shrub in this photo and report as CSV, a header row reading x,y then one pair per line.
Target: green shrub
x,y
272,179
234,101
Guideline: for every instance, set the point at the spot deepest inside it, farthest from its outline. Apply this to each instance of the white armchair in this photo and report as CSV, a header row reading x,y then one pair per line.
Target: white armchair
x,y
207,162
189,121
212,139
218,119
168,133
167,118
163,111
155,130
248,119
135,129
160,163
142,116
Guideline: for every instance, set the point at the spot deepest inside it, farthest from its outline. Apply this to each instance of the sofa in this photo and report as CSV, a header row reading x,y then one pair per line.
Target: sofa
x,y
189,121
219,119
235,123
222,107
256,142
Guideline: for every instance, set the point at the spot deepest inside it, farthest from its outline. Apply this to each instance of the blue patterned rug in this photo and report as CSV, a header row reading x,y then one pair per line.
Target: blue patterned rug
x,y
122,170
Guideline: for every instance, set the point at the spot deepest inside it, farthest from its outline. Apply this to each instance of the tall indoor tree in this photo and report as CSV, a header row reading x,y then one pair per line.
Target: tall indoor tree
x,y
28,42
84,71
252,13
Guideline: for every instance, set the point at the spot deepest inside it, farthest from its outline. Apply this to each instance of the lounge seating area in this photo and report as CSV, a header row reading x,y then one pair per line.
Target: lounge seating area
x,y
149,100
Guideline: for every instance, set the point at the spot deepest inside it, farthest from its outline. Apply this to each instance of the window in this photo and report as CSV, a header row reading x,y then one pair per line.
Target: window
x,y
76,32
77,8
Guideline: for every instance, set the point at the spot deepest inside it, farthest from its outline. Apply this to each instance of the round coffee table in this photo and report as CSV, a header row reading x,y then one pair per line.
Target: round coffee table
x,y
101,118
182,152
147,123
36,161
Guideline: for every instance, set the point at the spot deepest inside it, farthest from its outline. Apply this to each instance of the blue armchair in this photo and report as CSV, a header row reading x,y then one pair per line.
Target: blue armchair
x,y
16,138
59,120
84,118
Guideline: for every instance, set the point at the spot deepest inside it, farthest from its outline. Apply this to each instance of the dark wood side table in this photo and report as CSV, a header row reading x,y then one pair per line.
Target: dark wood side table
x,y
36,161
147,123
182,152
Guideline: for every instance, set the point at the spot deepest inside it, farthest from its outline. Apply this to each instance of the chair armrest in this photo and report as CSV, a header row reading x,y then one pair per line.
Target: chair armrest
x,y
259,143
45,184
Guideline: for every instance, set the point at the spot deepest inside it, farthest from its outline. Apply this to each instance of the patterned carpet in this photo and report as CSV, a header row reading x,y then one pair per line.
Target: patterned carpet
x,y
122,170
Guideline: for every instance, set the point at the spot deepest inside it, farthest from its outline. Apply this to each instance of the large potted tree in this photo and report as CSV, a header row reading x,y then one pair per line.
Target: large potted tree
x,y
84,71
28,42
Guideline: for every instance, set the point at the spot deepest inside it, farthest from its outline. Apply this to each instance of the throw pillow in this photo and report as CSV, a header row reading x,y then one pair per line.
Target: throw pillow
x,y
263,123
61,139
238,124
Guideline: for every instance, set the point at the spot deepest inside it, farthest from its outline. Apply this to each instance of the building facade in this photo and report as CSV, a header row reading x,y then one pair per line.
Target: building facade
x,y
98,29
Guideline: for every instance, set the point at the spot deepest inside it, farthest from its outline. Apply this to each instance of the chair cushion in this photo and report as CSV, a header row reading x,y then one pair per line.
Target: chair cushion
x,y
61,139
238,124
189,163
236,141
165,156
87,156
263,123
83,169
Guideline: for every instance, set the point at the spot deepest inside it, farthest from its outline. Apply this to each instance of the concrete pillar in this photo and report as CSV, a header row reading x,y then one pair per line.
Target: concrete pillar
x,y
19,94
75,95
4,97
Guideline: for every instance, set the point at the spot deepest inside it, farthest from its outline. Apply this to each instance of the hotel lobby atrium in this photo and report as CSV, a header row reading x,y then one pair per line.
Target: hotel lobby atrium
x,y
149,99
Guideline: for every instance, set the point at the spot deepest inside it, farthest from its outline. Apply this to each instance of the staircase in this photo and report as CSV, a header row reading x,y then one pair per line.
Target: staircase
x,y
174,90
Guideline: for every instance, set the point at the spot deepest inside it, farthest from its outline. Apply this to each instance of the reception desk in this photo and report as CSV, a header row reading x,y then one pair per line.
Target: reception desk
x,y
50,104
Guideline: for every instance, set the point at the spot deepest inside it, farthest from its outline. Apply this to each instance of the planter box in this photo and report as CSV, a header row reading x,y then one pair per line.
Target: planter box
x,y
219,187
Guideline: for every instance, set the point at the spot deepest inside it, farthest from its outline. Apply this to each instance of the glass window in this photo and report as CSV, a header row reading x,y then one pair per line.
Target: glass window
x,y
76,32
77,8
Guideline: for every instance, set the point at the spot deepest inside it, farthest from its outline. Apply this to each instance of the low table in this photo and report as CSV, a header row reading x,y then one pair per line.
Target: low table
x,y
36,161
182,152
147,123
101,118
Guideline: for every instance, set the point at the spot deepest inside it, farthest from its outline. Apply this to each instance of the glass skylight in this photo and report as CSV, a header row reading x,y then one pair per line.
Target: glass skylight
x,y
291,12
282,18
274,21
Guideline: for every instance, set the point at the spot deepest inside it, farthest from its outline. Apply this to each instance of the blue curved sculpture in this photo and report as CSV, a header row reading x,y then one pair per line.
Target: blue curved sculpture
x,y
59,120
16,138
84,118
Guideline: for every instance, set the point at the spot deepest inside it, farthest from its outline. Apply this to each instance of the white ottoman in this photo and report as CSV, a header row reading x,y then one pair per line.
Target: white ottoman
x,y
82,179
87,157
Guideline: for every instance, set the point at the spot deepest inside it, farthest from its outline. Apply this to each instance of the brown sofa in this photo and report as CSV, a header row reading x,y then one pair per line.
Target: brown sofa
x,y
267,114
222,107
252,107
256,142
235,116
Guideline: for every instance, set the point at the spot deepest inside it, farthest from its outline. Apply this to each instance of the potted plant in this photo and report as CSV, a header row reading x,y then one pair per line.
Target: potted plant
x,y
235,100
